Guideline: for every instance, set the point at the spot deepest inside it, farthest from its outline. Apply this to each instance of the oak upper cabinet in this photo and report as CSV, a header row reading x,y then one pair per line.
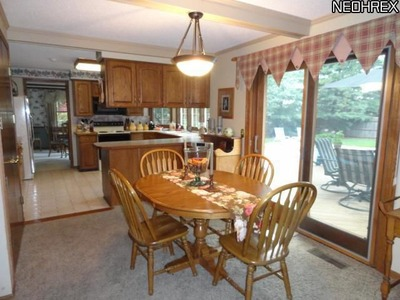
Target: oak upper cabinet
x,y
120,83
132,84
174,87
83,98
149,78
184,91
198,91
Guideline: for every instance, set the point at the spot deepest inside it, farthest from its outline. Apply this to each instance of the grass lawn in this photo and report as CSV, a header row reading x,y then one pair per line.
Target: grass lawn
x,y
359,142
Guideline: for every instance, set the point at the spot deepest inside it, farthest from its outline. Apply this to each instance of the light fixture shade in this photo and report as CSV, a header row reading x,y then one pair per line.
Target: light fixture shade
x,y
87,65
194,65
197,63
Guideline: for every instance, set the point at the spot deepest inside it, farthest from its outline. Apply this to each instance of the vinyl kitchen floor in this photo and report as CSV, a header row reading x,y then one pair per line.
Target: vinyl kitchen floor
x,y
58,190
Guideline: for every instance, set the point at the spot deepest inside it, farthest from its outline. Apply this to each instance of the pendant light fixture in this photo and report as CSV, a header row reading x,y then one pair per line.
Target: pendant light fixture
x,y
198,63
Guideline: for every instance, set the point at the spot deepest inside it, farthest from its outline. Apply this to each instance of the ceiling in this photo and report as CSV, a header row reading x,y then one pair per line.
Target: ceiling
x,y
51,34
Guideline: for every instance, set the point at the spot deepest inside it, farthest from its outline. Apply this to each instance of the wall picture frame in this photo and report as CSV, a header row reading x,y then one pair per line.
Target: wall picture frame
x,y
226,102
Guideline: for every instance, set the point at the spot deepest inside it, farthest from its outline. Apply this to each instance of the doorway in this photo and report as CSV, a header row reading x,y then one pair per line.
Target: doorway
x,y
49,105
344,109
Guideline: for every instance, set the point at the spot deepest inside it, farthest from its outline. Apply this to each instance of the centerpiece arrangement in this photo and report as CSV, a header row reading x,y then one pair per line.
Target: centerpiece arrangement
x,y
198,157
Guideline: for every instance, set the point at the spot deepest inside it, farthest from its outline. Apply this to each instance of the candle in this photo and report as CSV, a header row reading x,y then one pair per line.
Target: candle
x,y
211,159
184,143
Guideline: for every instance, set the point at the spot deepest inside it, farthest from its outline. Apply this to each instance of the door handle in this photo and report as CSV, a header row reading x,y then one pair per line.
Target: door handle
x,y
14,160
255,144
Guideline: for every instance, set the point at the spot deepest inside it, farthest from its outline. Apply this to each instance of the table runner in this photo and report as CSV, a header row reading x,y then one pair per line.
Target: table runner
x,y
240,203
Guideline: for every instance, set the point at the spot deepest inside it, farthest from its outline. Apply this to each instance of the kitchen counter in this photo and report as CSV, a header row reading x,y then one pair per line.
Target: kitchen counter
x,y
125,156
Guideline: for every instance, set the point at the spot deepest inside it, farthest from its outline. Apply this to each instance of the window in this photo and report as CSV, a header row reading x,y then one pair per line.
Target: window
x,y
161,115
187,117
62,112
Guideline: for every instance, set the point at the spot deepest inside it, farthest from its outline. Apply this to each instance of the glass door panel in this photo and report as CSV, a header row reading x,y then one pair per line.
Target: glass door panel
x,y
346,134
283,105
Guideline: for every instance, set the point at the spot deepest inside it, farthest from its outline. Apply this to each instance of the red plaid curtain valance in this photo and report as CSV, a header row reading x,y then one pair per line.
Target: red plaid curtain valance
x,y
366,40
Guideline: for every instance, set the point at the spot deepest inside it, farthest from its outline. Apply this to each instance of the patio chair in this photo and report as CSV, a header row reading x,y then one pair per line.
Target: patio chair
x,y
356,173
327,157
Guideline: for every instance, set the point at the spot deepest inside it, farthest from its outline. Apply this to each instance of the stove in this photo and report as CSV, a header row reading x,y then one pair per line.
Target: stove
x,y
107,127
111,131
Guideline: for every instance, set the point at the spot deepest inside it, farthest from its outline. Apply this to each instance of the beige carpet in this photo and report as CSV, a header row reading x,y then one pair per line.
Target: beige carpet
x,y
87,257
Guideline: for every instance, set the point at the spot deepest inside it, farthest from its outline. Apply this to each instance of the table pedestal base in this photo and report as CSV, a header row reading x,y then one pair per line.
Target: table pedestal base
x,y
202,253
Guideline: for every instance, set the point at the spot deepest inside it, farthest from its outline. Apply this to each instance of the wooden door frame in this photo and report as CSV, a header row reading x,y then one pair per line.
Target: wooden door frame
x,y
254,126
387,160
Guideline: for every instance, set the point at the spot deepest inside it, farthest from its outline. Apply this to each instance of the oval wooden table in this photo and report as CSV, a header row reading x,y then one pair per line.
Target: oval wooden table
x,y
175,200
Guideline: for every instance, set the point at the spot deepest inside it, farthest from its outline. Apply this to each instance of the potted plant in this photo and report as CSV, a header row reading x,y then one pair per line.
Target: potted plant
x,y
337,138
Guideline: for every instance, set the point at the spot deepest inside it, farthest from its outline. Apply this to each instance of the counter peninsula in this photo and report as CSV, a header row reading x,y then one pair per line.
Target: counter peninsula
x,y
125,156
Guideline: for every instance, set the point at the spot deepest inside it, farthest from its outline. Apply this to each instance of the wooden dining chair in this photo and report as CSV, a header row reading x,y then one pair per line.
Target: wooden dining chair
x,y
148,234
254,166
269,231
160,160
257,167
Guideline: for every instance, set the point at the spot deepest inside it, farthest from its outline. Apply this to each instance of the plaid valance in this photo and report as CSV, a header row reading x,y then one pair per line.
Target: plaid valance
x,y
366,40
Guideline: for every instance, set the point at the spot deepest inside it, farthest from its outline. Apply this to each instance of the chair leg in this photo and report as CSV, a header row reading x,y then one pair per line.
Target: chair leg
x,y
249,282
285,275
221,262
133,255
189,255
150,270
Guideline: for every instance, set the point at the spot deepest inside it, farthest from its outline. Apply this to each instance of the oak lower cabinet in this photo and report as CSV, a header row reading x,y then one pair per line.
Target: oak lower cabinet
x,y
88,157
83,97
180,90
132,84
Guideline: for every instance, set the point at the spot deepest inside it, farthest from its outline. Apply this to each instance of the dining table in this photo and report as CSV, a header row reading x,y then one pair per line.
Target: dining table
x,y
173,198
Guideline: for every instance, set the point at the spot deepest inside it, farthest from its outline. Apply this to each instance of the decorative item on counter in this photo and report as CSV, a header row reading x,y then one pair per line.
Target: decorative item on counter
x,y
132,127
211,125
228,132
145,126
203,129
151,125
140,126
219,125
172,126
91,126
127,124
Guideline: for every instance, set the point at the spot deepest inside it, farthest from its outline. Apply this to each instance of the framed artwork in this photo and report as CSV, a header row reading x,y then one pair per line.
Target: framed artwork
x,y
225,102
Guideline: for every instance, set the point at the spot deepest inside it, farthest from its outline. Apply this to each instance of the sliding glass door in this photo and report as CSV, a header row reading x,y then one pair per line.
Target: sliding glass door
x,y
341,145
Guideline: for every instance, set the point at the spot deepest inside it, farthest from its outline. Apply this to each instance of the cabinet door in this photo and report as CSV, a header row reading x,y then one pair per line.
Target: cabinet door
x,y
95,89
174,87
120,77
149,84
83,98
198,91
88,157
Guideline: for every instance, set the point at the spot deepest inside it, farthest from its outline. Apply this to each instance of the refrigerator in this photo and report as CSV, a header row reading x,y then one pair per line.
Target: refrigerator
x,y
25,134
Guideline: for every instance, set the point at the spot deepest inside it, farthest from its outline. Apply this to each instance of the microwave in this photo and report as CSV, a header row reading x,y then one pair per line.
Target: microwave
x,y
102,109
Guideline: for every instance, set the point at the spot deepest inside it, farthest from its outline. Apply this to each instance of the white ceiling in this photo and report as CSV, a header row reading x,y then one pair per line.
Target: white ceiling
x,y
51,34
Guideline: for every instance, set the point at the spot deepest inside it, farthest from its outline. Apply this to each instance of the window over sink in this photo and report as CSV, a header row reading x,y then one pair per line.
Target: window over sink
x,y
187,117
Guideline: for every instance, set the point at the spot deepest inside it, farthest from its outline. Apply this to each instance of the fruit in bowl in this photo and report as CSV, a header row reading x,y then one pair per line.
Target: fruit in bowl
x,y
197,165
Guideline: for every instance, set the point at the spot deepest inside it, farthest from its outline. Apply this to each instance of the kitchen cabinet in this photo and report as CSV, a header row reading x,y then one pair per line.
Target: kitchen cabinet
x,y
197,91
83,98
88,158
184,91
96,90
132,84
